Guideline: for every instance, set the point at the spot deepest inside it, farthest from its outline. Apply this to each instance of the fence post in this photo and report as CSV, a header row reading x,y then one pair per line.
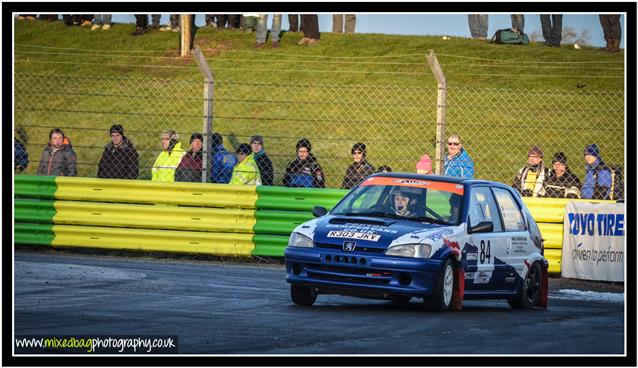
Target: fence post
x,y
186,35
208,111
440,109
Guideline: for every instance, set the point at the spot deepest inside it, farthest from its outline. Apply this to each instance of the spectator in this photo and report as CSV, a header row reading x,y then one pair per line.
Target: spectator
x,y
338,24
561,182
249,21
21,157
457,161
304,171
518,22
612,31
58,158
223,161
310,29
102,21
262,30
530,180
119,159
191,166
48,17
83,20
293,20
478,25
384,169
359,169
233,21
263,161
167,161
424,166
246,172
173,25
210,20
597,181
141,24
155,21
26,16
552,29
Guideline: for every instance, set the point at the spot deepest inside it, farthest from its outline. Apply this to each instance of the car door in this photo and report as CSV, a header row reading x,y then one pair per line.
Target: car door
x,y
482,253
517,235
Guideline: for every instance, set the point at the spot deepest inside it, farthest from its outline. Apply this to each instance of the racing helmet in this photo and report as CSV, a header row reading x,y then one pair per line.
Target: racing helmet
x,y
411,193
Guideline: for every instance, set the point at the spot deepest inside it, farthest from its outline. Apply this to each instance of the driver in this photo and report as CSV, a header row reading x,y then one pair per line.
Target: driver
x,y
404,202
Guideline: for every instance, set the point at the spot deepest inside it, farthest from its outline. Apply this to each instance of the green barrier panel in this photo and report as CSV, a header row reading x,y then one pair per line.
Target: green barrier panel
x,y
39,234
32,186
33,210
296,199
269,245
279,222
226,220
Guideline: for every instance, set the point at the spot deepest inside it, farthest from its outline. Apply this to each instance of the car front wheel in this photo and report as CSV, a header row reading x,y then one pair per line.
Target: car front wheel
x,y
442,295
303,295
529,293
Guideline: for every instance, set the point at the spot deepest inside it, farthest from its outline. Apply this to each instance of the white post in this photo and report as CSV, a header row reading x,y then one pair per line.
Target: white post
x,y
440,110
208,111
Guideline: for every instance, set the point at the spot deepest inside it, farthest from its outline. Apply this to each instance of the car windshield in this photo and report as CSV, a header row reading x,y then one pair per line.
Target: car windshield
x,y
419,200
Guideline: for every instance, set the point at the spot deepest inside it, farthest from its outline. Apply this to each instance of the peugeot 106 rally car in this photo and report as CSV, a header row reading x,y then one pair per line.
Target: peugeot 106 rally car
x,y
400,236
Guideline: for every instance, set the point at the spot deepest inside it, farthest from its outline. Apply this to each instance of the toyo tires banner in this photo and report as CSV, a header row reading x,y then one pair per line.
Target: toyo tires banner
x,y
594,241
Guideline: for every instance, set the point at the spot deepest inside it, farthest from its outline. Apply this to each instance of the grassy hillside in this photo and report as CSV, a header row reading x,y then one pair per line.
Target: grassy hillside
x,y
363,87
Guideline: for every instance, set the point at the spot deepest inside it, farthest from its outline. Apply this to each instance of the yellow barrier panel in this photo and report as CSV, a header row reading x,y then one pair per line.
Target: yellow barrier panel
x,y
154,217
553,235
552,209
222,244
143,191
554,258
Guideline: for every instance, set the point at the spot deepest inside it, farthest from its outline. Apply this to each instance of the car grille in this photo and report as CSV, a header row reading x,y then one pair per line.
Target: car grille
x,y
349,274
358,248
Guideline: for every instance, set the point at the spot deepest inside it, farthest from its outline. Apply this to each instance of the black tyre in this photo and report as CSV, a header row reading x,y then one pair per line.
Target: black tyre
x,y
442,296
303,295
529,293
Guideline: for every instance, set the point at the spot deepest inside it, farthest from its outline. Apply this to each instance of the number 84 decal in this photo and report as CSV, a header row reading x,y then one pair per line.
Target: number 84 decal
x,y
485,253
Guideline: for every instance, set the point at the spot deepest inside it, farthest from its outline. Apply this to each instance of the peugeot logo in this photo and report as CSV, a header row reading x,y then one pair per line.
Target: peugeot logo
x,y
348,246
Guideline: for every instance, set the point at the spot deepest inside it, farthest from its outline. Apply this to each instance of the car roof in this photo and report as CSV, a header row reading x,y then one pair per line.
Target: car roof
x,y
447,179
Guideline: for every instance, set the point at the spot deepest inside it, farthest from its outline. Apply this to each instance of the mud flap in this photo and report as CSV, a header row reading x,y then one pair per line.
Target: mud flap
x,y
543,299
459,289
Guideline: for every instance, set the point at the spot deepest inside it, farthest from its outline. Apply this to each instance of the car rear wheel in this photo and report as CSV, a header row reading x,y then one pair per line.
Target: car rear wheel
x,y
442,295
529,293
303,295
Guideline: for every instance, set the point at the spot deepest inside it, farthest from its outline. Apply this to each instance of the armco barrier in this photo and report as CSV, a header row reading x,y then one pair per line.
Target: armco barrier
x,y
217,219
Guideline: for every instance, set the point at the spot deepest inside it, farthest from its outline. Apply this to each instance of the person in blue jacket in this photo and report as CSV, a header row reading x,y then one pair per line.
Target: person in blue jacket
x,y
597,181
20,158
223,161
457,161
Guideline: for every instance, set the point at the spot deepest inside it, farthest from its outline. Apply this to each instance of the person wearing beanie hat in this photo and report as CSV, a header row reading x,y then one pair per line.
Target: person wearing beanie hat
x,y
120,159
457,162
561,182
304,171
263,161
167,161
192,164
223,161
359,169
598,176
530,180
424,166
246,172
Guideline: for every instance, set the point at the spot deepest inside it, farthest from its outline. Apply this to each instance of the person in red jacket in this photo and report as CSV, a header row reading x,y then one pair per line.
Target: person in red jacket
x,y
191,166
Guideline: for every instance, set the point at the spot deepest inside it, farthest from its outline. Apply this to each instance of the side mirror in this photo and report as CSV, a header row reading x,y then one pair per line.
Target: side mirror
x,y
319,211
482,227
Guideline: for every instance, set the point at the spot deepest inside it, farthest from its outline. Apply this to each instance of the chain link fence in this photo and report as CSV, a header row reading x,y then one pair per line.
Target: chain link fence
x,y
397,123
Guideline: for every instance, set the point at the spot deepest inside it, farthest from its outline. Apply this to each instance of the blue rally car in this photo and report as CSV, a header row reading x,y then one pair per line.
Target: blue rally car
x,y
401,236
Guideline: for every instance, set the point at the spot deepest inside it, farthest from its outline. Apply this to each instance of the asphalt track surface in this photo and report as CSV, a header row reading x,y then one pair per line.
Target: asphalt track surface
x,y
237,308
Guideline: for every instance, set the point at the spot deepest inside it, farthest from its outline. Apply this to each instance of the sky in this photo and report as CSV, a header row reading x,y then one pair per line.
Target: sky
x,y
437,24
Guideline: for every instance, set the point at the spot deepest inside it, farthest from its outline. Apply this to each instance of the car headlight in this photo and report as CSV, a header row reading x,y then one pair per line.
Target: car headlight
x,y
410,250
299,240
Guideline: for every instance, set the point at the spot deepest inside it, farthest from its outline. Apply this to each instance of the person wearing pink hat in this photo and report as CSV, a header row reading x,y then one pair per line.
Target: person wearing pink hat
x,y
424,166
